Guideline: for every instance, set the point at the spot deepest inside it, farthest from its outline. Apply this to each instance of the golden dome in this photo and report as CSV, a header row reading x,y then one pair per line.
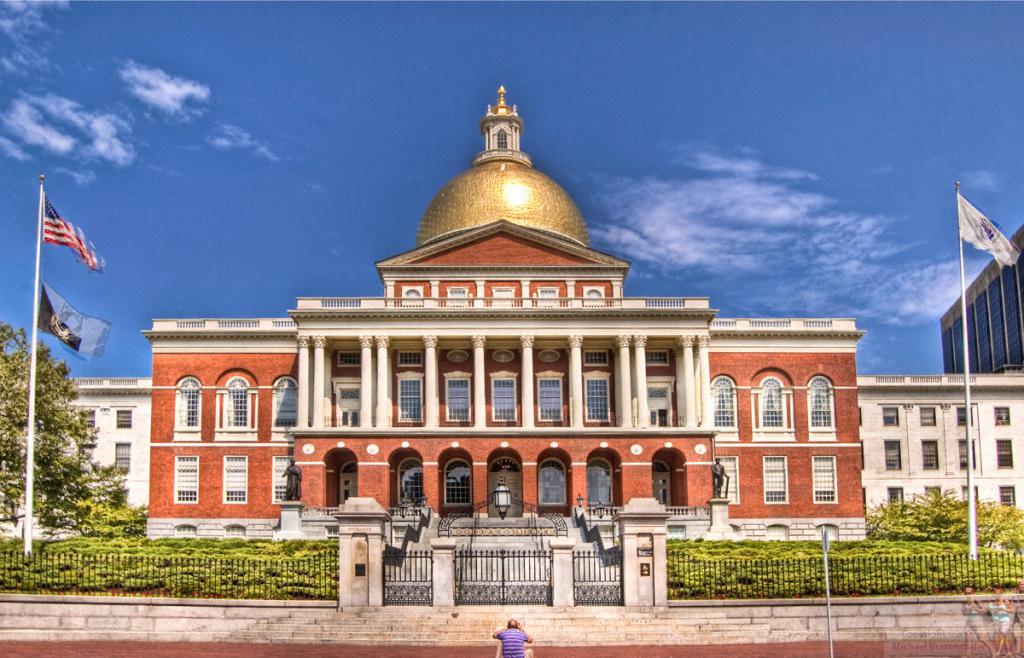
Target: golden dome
x,y
502,189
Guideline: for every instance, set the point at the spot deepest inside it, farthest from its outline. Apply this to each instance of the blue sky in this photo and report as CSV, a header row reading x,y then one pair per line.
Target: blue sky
x,y
782,159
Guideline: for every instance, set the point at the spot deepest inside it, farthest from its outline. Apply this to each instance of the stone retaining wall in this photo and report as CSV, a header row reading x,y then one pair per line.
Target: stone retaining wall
x,y
69,618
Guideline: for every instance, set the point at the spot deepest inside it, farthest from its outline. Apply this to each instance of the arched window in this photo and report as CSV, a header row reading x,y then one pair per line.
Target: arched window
x,y
234,531
502,139
831,530
599,482
551,483
410,481
661,479
238,403
187,403
771,403
184,531
286,402
458,479
819,397
412,293
777,532
725,402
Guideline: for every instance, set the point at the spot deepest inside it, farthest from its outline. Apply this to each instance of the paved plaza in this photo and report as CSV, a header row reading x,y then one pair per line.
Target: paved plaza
x,y
219,650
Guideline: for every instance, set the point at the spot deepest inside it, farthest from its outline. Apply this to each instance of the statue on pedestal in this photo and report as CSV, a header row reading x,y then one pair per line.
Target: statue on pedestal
x,y
293,482
718,479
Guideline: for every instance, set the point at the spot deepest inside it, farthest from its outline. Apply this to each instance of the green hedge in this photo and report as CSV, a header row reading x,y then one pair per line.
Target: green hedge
x,y
67,572
221,548
870,575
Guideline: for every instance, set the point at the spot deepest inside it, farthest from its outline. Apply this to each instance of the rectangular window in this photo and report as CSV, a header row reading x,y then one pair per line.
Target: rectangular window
x,y
457,399
895,494
410,358
824,478
933,491
549,399
961,418
1002,415
503,398
457,297
775,480
186,479
962,445
893,456
657,358
1008,496
124,419
279,482
597,399
595,357
547,297
732,482
927,415
236,479
123,455
410,400
891,416
930,455
90,417
348,358
1004,453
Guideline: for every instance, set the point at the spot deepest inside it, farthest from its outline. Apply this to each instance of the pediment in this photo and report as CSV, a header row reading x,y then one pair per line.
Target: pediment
x,y
502,244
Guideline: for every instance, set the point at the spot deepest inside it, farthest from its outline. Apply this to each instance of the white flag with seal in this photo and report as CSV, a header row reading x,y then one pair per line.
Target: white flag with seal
x,y
981,232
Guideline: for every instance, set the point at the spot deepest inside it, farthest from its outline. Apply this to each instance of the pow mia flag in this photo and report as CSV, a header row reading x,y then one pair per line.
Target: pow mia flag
x,y
80,332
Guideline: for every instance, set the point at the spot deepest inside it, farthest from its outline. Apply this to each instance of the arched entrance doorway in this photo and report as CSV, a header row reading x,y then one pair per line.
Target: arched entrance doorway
x,y
505,469
406,468
342,481
668,477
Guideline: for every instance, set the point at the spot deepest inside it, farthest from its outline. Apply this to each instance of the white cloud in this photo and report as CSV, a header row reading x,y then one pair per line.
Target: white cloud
x,y
12,150
980,179
81,178
62,126
22,24
228,136
750,224
172,95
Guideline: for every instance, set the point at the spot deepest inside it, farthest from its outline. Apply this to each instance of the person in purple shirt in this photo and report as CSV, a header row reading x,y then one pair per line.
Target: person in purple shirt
x,y
514,641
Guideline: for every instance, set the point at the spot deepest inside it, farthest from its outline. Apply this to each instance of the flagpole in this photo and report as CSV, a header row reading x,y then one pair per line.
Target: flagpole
x,y
972,511
30,448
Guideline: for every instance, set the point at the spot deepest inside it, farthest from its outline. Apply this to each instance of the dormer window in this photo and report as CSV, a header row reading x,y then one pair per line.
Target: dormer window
x,y
502,139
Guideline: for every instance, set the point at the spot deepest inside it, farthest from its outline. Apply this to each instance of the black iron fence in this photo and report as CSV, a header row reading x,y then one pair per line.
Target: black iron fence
x,y
849,576
408,577
502,577
311,578
597,577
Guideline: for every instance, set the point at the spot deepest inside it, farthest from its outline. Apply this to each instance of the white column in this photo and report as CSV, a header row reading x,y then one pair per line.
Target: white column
x,y
366,381
706,416
689,394
640,355
576,380
430,375
318,380
303,419
479,383
625,394
383,375
527,383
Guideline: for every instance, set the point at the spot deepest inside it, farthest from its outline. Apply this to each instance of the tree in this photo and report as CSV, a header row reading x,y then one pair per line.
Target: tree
x,y
65,475
942,517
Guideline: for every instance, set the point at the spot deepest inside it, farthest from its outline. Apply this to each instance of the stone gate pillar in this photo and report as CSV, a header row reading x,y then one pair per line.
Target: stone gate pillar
x,y
644,556
361,527
443,571
562,581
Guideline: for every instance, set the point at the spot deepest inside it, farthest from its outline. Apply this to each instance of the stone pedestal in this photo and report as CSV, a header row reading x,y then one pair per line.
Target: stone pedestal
x,y
291,521
644,568
443,549
562,581
361,524
720,528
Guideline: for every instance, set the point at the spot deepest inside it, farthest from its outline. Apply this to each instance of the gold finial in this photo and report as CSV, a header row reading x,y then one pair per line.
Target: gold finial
x,y
501,107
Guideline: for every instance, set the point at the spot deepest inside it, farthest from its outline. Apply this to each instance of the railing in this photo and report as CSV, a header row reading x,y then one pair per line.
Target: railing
x,y
408,577
273,325
950,380
597,577
502,577
314,577
112,382
501,303
699,513
788,324
861,576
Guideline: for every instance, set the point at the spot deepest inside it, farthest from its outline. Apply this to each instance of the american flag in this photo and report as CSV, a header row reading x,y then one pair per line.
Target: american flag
x,y
57,230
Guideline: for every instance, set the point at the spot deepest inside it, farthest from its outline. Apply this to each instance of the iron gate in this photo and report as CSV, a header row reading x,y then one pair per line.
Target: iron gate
x,y
408,577
502,577
597,577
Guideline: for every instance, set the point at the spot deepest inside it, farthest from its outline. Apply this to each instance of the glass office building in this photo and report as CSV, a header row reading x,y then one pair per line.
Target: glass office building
x,y
995,323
